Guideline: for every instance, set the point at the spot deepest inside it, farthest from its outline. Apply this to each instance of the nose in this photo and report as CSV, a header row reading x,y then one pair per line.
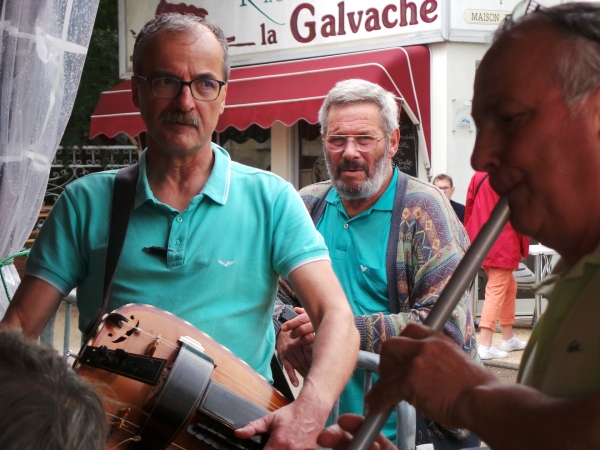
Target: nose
x,y
185,100
485,157
351,151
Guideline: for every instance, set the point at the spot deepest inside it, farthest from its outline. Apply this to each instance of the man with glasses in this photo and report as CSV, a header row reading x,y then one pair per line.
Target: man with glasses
x,y
536,105
207,238
444,183
394,242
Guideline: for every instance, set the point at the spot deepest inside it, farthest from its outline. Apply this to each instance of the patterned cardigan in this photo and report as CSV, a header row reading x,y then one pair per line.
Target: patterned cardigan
x,y
431,243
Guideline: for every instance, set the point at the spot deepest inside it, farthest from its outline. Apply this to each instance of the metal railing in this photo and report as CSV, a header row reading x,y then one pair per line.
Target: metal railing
x,y
71,163
405,414
48,332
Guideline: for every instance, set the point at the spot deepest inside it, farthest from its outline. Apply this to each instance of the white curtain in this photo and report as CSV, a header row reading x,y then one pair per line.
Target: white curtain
x,y
42,51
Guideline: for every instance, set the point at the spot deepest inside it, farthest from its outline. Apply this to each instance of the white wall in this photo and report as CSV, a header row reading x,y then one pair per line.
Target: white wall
x,y
282,156
452,75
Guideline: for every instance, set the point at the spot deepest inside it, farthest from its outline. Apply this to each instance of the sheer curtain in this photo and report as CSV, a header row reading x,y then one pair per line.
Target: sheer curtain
x,y
43,48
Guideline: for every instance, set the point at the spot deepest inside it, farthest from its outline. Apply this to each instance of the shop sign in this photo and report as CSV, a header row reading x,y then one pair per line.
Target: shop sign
x,y
279,29
476,20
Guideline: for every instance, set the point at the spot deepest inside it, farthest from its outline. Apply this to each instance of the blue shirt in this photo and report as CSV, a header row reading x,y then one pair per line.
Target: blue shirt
x,y
226,251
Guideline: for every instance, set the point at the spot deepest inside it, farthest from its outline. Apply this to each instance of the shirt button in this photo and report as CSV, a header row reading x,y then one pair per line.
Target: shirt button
x,y
346,225
179,219
177,242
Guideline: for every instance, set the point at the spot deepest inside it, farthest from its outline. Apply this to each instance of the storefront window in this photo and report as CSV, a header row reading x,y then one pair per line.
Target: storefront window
x,y
312,162
405,158
251,147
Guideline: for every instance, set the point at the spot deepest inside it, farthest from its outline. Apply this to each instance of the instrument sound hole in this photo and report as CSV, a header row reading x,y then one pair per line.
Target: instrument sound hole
x,y
130,332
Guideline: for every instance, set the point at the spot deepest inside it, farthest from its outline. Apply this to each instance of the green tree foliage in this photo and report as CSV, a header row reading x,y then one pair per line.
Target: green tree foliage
x,y
100,73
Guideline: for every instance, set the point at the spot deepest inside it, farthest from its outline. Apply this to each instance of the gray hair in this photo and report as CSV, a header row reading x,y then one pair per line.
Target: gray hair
x,y
577,68
355,91
43,403
178,24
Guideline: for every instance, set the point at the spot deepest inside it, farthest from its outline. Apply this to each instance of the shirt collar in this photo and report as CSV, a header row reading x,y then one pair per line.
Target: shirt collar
x,y
578,269
560,271
383,203
216,187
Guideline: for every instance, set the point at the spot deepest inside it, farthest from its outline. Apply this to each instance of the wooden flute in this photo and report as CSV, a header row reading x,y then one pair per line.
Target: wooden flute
x,y
449,298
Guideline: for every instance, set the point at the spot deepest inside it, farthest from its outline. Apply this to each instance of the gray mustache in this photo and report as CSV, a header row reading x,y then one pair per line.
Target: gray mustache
x,y
185,118
345,165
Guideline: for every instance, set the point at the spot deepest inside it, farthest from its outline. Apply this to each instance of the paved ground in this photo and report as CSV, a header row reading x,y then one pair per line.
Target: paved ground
x,y
506,369
522,331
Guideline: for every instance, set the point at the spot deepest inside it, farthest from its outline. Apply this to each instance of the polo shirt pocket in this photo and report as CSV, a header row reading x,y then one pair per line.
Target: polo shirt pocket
x,y
372,282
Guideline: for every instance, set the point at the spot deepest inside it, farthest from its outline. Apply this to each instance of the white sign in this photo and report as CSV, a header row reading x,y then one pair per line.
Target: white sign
x,y
269,30
476,20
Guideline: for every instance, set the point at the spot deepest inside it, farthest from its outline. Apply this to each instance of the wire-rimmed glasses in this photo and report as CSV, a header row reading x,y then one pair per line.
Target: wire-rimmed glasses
x,y
363,143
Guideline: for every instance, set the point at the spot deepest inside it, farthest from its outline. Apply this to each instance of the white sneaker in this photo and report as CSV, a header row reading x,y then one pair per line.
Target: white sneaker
x,y
490,352
512,344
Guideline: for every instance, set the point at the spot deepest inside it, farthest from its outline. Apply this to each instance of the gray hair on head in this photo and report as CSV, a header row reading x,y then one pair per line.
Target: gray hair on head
x,y
43,402
357,91
577,68
178,24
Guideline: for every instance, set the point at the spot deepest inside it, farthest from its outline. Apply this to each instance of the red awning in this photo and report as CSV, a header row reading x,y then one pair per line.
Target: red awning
x,y
115,113
290,91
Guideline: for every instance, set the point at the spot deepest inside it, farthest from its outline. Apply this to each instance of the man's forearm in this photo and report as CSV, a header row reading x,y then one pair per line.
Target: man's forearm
x,y
34,303
334,356
517,417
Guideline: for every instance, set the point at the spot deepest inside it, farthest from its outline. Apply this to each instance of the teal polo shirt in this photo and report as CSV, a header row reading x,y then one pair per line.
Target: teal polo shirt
x,y
358,248
226,251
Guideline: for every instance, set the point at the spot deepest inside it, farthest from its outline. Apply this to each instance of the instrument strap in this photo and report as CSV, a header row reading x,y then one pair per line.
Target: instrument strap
x,y
480,183
122,206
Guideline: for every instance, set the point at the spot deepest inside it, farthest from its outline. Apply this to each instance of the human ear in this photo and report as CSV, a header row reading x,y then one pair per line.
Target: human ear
x,y
394,141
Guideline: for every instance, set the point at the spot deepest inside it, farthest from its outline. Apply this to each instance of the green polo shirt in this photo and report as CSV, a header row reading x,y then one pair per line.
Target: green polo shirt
x,y
562,357
225,252
358,248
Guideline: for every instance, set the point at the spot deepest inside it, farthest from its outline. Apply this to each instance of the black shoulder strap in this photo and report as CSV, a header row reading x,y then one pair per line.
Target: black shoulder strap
x,y
392,249
122,205
480,183
319,207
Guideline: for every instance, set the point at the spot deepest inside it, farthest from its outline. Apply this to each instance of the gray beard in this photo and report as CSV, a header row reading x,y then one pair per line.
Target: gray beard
x,y
369,187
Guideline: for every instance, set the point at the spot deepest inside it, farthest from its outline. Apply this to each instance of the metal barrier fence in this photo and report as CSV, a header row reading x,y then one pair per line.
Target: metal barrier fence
x,y
405,413
47,335
71,163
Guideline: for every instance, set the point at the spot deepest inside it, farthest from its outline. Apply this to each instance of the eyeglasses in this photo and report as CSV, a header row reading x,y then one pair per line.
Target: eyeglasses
x,y
444,188
203,89
363,143
579,23
521,9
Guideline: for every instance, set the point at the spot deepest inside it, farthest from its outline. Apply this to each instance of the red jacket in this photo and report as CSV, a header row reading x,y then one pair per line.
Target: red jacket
x,y
510,246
